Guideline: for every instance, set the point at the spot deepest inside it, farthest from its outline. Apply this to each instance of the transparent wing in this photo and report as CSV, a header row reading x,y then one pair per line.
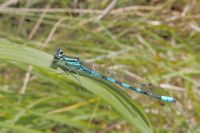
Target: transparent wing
x,y
134,81
122,75
141,84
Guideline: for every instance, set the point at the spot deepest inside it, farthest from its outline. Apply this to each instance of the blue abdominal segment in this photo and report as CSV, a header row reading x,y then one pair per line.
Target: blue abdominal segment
x,y
168,99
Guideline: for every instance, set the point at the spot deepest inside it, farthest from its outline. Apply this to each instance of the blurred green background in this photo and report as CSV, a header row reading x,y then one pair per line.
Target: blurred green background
x,y
157,41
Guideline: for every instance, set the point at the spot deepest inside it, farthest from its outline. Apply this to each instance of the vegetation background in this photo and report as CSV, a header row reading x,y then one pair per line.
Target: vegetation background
x,y
152,40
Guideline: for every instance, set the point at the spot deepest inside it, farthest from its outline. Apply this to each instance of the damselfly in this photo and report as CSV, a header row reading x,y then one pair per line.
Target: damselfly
x,y
75,63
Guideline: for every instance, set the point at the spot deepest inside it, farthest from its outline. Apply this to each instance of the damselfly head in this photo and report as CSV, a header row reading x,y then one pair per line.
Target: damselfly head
x,y
57,56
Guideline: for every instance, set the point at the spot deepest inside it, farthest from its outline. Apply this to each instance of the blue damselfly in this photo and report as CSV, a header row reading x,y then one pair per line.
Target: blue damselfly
x,y
76,64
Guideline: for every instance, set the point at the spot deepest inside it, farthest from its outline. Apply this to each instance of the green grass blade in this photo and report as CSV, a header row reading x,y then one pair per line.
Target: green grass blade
x,y
122,103
18,128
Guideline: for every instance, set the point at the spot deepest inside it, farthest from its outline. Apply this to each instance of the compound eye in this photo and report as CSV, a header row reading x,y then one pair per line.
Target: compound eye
x,y
61,54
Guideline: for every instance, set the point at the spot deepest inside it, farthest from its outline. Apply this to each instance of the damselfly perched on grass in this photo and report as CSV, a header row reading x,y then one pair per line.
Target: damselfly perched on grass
x,y
76,64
